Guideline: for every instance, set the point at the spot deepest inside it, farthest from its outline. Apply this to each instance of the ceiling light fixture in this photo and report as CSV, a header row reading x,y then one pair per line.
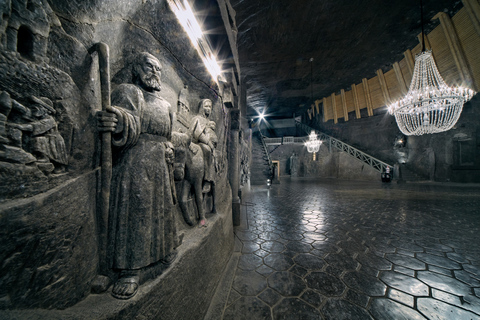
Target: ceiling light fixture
x,y
430,106
313,144
185,16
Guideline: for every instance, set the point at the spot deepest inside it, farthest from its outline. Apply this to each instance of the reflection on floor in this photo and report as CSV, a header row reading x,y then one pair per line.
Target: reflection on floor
x,y
354,250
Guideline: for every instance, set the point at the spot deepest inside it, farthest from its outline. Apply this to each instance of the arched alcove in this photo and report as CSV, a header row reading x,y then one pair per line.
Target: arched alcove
x,y
25,40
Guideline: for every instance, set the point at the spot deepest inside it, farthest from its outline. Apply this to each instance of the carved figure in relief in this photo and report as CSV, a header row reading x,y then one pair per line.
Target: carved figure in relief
x,y
142,229
203,135
293,164
195,163
42,138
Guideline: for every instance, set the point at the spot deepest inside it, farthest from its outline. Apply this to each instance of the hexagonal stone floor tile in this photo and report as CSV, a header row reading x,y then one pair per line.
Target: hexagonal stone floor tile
x,y
309,261
269,236
365,283
385,309
401,297
249,261
294,309
435,309
438,261
325,283
273,246
434,246
249,283
250,246
312,297
406,245
270,297
341,261
286,283
444,283
335,309
404,283
278,261
373,261
407,262
314,236
251,306
299,246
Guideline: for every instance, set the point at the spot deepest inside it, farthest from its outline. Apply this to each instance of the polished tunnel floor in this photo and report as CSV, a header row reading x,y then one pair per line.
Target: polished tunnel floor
x,y
354,250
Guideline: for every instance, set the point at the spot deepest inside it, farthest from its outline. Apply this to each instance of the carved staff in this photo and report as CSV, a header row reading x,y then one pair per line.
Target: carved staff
x,y
106,155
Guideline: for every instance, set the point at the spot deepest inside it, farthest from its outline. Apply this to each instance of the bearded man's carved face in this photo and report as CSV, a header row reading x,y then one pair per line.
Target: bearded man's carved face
x,y
149,73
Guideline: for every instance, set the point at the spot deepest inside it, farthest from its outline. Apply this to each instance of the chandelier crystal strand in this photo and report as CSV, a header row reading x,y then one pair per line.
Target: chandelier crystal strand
x,y
430,106
313,144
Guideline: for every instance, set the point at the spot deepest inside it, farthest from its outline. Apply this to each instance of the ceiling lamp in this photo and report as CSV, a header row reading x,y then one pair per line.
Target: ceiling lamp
x,y
313,144
430,106
185,16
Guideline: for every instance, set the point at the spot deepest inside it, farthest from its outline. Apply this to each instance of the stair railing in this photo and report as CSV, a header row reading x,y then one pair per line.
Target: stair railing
x,y
376,164
265,148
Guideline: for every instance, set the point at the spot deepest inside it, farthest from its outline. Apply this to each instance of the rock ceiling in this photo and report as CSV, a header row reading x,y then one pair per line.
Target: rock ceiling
x,y
347,39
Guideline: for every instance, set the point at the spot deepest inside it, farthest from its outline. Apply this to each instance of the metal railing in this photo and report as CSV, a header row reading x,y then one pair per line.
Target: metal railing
x,y
376,164
265,148
284,140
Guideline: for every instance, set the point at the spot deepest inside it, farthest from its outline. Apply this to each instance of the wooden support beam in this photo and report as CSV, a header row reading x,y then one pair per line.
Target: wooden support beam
x,y
400,79
368,97
317,106
383,85
324,109
428,46
344,105
473,10
456,49
410,61
334,106
355,101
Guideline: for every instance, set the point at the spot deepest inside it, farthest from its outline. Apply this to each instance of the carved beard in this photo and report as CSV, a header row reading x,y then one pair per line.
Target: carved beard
x,y
151,81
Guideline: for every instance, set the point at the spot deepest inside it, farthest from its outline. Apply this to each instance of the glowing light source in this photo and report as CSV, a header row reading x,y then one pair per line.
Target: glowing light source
x,y
185,16
313,144
430,106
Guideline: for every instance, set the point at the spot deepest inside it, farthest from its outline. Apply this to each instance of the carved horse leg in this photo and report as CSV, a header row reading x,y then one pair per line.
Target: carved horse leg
x,y
214,210
194,169
185,191
199,201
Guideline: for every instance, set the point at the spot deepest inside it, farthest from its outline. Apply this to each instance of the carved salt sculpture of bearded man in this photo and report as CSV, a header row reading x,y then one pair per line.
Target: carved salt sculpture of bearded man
x,y
142,227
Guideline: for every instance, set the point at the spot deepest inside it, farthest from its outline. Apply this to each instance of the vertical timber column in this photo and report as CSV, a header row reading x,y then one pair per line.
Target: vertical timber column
x,y
233,162
400,79
473,10
410,61
355,101
368,98
344,105
334,106
383,85
324,109
455,48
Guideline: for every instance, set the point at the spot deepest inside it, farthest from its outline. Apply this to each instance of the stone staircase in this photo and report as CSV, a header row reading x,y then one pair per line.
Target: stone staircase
x,y
259,170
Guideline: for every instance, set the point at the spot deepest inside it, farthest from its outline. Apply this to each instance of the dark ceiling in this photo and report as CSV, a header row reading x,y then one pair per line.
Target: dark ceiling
x,y
347,39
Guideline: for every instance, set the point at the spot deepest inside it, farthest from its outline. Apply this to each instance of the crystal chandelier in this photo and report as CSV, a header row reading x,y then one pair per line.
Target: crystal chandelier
x,y
313,144
430,106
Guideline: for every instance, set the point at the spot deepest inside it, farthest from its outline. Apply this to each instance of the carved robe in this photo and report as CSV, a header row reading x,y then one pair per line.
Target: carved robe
x,y
142,227
48,141
202,133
